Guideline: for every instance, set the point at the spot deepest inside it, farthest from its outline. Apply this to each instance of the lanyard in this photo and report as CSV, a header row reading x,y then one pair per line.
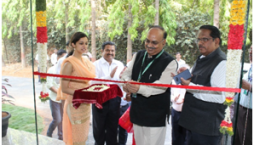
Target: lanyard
x,y
141,73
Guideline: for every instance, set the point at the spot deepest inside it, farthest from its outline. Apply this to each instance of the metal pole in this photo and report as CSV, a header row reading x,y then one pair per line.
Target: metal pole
x,y
35,112
240,86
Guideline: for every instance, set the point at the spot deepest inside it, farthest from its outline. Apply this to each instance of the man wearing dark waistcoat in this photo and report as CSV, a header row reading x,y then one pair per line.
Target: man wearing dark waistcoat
x,y
203,111
150,105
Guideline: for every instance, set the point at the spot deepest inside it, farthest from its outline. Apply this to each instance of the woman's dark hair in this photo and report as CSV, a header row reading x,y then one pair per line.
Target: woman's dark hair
x,y
74,39
215,32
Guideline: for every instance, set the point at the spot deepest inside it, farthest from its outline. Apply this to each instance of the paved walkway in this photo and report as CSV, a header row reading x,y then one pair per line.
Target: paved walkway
x,y
22,91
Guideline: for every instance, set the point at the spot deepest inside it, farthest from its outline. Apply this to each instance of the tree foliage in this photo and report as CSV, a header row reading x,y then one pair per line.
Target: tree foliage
x,y
187,27
168,21
143,13
14,13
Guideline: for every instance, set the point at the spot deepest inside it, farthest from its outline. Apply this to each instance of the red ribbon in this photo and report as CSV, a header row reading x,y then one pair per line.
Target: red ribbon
x,y
217,89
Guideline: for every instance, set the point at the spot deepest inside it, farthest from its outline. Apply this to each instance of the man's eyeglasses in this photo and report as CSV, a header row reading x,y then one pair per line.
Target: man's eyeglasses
x,y
203,39
147,41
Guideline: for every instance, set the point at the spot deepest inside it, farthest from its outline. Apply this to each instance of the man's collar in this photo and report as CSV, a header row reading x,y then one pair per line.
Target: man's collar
x,y
103,60
153,56
203,56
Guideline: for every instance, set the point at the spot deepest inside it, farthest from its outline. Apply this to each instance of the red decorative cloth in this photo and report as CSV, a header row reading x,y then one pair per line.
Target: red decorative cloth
x,y
97,98
125,121
42,35
133,140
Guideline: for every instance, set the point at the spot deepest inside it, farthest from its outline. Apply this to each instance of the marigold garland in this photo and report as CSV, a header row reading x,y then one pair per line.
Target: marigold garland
x,y
43,79
42,35
229,101
235,36
226,127
41,17
44,96
237,13
235,42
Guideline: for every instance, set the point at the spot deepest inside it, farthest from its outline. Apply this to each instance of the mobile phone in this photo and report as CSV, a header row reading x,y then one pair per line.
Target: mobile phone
x,y
185,74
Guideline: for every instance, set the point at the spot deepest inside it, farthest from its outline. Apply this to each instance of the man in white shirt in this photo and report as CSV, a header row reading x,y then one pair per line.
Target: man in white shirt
x,y
55,106
179,60
105,121
203,111
60,61
53,57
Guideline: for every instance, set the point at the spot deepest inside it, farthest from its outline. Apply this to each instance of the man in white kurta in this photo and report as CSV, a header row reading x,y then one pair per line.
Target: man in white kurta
x,y
150,105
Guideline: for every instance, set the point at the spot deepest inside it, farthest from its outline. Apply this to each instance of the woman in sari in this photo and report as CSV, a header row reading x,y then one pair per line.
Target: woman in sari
x,y
75,121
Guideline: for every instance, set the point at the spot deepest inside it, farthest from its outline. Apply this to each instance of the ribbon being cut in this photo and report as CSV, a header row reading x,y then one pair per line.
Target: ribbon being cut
x,y
216,89
94,95
98,97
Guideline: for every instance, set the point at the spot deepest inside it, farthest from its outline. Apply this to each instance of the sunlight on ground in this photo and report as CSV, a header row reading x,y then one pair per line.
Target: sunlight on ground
x,y
16,70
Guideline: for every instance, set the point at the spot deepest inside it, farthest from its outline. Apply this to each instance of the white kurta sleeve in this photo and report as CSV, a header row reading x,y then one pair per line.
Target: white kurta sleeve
x,y
218,78
165,78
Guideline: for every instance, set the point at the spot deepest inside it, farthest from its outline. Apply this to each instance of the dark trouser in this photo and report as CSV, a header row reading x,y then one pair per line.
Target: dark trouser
x,y
57,115
240,128
178,132
122,133
200,139
105,122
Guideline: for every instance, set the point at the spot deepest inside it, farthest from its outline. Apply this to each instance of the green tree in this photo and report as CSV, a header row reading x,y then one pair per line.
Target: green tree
x,y
142,15
14,14
93,29
117,18
188,24
216,16
157,6
73,15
